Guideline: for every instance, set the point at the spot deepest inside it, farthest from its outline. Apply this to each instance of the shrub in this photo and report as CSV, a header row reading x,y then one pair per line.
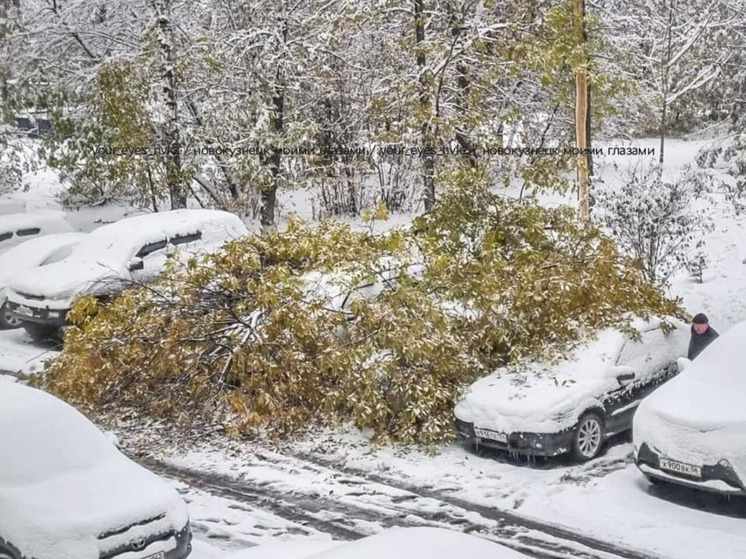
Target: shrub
x,y
656,222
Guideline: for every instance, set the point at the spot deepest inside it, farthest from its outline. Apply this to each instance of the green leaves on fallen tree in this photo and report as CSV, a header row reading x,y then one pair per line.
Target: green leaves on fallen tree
x,y
317,325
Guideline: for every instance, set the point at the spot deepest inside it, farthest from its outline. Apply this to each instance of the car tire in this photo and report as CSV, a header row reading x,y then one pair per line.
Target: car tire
x,y
8,322
42,332
589,437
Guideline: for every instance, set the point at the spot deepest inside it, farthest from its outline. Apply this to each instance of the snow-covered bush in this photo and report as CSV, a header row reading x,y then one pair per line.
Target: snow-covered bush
x,y
264,335
656,221
696,263
730,156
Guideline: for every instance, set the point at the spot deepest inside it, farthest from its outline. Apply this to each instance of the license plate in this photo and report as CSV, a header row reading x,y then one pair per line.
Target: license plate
x,y
159,555
491,435
681,468
25,311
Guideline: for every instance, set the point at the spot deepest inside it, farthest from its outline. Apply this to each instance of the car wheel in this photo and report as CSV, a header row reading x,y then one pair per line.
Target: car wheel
x,y
42,332
8,321
589,437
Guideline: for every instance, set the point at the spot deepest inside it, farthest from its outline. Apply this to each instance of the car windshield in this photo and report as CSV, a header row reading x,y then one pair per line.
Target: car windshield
x,y
43,437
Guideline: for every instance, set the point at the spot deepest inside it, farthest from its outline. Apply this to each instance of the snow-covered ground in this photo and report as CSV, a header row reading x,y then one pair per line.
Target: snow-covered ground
x,y
260,493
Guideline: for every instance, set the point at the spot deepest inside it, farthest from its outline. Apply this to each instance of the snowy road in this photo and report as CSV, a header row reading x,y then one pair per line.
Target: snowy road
x,y
337,485
356,505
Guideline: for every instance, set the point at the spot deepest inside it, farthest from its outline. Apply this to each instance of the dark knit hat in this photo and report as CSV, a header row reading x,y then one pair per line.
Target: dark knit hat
x,y
700,318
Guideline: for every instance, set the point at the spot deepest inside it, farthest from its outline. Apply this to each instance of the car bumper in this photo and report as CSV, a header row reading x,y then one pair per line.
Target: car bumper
x,y
529,444
45,316
182,549
716,478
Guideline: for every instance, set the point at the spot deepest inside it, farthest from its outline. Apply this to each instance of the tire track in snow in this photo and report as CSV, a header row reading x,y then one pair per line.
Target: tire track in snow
x,y
359,503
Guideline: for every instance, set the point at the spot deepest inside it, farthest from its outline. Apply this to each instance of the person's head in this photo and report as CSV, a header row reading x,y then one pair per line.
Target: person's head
x,y
700,323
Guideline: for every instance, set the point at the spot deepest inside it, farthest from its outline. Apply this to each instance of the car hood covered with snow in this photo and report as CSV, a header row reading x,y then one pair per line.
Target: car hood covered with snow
x,y
551,397
394,543
699,417
31,254
65,491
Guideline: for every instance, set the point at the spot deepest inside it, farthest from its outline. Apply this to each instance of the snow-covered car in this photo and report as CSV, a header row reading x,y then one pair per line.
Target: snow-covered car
x,y
394,543
133,250
28,256
20,227
66,492
692,431
574,405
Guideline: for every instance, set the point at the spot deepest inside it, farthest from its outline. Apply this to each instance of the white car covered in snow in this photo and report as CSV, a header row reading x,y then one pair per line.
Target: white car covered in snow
x,y
28,256
133,250
576,404
20,227
692,431
394,543
66,492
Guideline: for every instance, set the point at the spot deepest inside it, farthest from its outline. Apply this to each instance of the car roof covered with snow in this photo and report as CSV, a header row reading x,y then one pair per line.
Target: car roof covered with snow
x,y
394,543
63,484
700,415
19,227
550,397
30,254
108,251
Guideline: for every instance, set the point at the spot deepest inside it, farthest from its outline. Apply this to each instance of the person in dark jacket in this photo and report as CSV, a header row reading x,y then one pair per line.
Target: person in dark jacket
x,y
702,335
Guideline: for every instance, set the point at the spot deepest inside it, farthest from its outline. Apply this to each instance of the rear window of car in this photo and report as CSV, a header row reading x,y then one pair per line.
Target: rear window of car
x,y
184,239
5,236
28,232
58,255
151,248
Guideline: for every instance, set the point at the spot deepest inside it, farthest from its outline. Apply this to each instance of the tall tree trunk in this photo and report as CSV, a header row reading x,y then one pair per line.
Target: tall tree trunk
x,y
268,193
581,117
427,156
664,85
174,177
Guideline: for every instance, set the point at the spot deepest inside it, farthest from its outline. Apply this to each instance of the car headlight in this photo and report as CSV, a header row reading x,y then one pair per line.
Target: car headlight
x,y
725,464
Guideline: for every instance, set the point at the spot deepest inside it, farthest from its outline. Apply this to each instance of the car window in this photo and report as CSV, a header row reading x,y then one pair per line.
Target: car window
x,y
5,236
28,232
58,255
151,248
184,239
646,356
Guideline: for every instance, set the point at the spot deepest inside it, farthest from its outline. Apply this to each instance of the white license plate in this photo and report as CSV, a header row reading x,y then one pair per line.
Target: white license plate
x,y
680,468
491,435
159,555
25,311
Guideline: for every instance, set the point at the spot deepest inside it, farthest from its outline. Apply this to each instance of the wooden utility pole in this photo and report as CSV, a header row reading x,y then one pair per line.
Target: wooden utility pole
x,y
581,114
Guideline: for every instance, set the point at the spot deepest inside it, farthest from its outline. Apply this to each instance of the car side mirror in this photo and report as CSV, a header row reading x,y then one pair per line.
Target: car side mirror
x,y
625,377
136,264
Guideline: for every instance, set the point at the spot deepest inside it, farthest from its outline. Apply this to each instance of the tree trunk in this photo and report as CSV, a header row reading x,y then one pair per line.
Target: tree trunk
x,y
174,177
581,118
274,161
664,85
427,157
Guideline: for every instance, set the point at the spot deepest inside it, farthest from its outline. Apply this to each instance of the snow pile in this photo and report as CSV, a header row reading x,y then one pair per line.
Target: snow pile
x,y
63,483
548,398
394,543
288,550
103,259
699,417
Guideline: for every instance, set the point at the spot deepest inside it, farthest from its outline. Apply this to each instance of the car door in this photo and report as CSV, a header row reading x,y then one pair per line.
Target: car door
x,y
651,364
